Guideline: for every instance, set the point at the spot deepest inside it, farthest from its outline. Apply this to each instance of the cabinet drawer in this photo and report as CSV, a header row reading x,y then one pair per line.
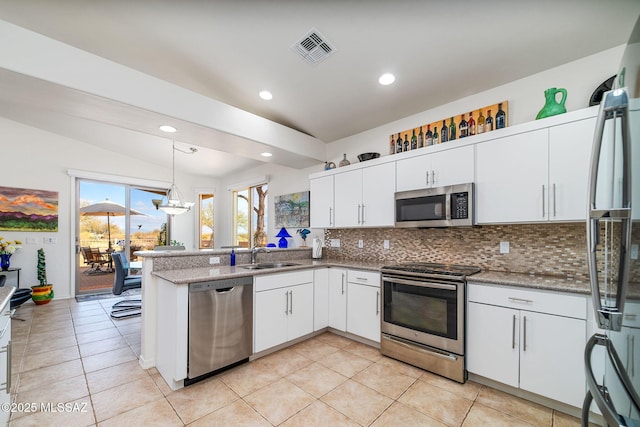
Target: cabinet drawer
x,y
282,280
363,277
532,300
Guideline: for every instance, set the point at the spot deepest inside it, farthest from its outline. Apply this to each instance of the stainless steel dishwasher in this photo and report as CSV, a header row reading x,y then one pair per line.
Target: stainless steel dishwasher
x,y
220,324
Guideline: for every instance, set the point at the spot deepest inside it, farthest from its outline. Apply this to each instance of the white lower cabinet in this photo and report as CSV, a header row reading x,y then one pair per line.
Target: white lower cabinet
x,y
528,339
363,304
338,299
320,298
283,307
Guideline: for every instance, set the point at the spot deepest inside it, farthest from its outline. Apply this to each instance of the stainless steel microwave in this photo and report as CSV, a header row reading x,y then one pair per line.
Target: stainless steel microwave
x,y
448,206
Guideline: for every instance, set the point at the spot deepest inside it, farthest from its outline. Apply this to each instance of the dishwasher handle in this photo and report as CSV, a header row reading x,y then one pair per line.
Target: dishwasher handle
x,y
221,286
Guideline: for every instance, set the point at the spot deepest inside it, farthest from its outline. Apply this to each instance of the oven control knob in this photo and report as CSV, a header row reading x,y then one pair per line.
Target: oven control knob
x,y
415,333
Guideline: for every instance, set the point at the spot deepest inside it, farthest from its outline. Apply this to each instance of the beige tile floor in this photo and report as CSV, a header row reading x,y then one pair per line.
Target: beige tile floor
x,y
70,352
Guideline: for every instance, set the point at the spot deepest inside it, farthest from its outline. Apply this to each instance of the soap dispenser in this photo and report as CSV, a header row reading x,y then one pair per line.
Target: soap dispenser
x,y
232,257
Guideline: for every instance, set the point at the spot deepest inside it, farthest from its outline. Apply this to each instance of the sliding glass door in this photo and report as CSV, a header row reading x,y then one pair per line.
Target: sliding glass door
x,y
113,217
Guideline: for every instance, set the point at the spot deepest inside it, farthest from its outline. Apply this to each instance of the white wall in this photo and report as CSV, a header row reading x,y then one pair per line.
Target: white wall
x,y
525,96
37,159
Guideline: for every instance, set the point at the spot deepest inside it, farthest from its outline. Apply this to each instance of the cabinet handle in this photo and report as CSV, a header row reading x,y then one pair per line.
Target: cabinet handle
x,y
291,304
433,176
513,333
554,200
543,204
7,383
427,178
359,222
377,303
522,300
286,303
363,221
524,329
364,279
342,283
330,216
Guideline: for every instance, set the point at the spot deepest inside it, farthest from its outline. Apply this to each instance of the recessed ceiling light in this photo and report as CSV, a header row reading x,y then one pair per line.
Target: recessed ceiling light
x,y
386,79
266,95
167,128
266,154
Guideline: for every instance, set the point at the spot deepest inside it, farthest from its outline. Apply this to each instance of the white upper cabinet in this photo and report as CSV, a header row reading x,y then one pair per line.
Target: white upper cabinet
x,y
569,157
321,206
442,168
365,197
535,176
512,178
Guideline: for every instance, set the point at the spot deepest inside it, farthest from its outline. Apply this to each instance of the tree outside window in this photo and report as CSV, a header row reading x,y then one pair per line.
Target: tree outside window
x,y
206,229
250,216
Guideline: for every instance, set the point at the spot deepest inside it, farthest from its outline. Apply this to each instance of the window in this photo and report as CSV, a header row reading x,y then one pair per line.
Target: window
x,y
250,217
206,229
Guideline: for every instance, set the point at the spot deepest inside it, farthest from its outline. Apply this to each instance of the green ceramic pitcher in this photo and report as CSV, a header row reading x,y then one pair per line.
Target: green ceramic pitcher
x,y
552,106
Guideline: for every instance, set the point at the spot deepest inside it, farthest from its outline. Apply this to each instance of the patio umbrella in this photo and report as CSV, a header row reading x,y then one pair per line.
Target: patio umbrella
x,y
108,209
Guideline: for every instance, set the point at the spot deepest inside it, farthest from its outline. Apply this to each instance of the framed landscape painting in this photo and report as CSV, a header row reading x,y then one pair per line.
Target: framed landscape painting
x,y
292,210
25,209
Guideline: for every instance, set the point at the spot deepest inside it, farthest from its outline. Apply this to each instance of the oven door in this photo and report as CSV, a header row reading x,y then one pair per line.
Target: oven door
x,y
424,311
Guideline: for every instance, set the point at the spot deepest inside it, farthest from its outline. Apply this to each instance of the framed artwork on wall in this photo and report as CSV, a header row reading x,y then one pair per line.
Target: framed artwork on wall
x,y
25,209
292,210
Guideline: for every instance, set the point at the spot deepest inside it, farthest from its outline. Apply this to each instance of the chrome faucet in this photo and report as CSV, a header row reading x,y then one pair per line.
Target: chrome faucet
x,y
254,253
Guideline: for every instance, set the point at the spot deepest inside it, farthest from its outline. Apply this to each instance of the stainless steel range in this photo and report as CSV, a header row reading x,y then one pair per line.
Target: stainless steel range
x,y
424,314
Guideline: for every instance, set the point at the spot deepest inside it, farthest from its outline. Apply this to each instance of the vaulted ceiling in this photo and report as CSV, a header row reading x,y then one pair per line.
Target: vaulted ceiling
x,y
229,50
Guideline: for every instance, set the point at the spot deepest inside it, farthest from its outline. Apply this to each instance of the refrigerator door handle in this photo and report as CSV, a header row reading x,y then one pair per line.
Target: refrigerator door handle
x,y
600,393
614,106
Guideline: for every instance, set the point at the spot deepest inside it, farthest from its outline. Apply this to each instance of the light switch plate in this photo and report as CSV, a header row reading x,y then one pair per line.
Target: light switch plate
x,y
634,251
49,240
385,244
335,243
360,243
504,247
31,241
214,260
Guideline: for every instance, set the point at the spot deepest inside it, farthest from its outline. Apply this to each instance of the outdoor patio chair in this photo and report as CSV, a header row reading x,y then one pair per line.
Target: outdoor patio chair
x,y
122,283
93,258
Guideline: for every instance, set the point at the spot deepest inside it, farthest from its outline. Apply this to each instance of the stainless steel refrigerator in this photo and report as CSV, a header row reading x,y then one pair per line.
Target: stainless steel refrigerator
x,y
612,354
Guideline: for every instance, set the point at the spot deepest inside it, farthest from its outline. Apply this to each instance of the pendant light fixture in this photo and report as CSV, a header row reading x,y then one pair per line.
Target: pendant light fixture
x,y
174,204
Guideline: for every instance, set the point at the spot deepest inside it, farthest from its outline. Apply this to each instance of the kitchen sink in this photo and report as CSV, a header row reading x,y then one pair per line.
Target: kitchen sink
x,y
265,265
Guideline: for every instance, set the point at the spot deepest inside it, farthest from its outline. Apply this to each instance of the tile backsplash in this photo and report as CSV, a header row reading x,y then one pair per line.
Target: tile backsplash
x,y
551,249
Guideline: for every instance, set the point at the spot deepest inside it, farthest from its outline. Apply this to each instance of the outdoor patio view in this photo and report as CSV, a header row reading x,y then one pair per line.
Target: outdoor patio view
x,y
107,224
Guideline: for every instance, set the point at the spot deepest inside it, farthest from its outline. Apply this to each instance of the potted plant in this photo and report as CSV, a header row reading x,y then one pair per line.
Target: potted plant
x,y
42,293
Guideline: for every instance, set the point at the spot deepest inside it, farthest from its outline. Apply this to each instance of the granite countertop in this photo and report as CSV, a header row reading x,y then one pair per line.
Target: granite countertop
x,y
550,283
5,295
194,275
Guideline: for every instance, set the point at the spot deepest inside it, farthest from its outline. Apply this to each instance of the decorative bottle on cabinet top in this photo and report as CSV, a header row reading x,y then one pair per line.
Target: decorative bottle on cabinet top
x,y
428,139
480,122
501,117
344,161
452,130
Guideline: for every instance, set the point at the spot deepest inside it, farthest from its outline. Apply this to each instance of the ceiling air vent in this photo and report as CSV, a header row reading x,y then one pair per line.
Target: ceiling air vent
x,y
313,47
